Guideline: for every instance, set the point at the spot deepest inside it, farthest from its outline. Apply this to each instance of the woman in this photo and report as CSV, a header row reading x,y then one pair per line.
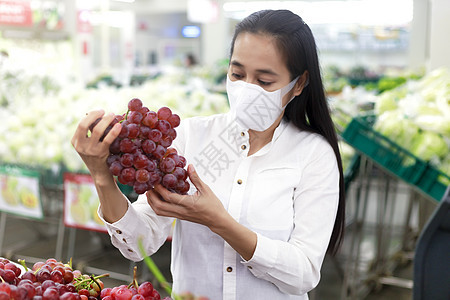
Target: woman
x,y
268,200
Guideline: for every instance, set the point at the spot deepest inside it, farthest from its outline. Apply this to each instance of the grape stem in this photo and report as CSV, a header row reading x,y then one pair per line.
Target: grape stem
x,y
156,272
22,263
134,282
90,279
94,280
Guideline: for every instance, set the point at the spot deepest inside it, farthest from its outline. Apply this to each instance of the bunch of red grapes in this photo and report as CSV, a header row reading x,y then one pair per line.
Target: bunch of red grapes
x,y
53,280
141,156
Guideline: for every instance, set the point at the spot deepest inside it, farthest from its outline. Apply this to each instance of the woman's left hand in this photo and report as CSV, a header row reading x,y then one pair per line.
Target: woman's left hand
x,y
202,207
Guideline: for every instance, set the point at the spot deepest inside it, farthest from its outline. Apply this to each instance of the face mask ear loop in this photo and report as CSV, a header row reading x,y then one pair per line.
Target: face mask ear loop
x,y
287,88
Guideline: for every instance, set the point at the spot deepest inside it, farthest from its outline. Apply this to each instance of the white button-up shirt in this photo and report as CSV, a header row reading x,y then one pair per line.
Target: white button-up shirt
x,y
287,193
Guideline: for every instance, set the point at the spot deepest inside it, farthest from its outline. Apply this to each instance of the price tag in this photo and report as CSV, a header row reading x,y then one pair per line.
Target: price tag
x,y
20,192
81,203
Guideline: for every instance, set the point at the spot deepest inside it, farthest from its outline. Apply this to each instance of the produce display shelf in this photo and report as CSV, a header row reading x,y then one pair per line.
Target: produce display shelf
x,y
360,134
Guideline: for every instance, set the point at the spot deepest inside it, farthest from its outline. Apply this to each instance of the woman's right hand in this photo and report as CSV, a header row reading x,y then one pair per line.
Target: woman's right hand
x,y
93,151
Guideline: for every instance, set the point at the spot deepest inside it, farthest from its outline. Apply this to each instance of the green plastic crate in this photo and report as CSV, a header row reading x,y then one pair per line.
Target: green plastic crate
x,y
392,157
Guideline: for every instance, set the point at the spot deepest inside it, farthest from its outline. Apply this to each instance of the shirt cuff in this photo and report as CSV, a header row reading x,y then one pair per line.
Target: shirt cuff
x,y
264,257
122,234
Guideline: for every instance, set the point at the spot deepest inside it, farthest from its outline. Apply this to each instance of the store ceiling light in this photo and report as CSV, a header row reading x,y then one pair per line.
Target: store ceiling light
x,y
365,12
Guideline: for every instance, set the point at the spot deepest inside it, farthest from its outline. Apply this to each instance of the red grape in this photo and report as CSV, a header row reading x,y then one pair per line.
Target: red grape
x,y
148,146
38,265
155,135
57,276
164,113
140,187
155,178
174,120
50,294
150,119
5,287
115,168
135,117
185,189
169,181
68,276
127,145
84,292
124,130
172,133
163,126
155,295
127,160
105,292
159,152
167,165
122,293
166,141
182,162
135,104
69,296
9,276
29,275
141,161
128,174
145,289
144,131
151,166
144,110
180,173
142,176
133,130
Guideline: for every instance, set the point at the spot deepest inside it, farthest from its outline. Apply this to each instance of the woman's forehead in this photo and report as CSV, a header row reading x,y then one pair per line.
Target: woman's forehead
x,y
258,51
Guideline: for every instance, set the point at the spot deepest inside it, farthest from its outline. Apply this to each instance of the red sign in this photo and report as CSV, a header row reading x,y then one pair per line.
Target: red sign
x,y
15,13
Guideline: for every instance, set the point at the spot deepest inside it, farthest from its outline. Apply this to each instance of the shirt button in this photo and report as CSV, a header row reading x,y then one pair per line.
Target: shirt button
x,y
124,240
242,133
243,147
239,181
250,267
129,250
229,269
118,231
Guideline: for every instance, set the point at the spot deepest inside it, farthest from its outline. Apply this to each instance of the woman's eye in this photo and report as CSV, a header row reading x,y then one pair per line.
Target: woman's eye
x,y
265,83
237,76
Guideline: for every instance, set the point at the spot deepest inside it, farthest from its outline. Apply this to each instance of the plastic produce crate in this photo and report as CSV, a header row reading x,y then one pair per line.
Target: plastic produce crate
x,y
360,134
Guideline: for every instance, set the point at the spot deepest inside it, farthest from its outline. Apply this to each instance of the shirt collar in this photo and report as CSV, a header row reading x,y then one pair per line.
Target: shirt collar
x,y
277,133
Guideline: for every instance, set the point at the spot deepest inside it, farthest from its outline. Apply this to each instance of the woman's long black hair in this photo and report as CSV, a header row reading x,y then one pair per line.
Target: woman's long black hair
x,y
309,111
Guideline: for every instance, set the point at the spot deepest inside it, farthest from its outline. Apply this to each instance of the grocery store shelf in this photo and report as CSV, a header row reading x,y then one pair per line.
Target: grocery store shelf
x,y
394,159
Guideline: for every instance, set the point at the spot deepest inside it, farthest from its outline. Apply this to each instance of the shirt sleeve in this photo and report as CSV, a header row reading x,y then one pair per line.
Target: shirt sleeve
x,y
294,266
140,222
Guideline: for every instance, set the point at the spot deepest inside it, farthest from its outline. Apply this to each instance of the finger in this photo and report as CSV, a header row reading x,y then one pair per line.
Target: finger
x,y
113,134
157,203
167,195
83,127
101,126
195,179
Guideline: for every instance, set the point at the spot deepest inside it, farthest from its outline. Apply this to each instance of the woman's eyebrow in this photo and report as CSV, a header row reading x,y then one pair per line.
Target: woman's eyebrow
x,y
263,71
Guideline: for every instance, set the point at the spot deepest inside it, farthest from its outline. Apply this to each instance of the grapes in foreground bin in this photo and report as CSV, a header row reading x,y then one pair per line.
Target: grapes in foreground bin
x,y
141,155
51,279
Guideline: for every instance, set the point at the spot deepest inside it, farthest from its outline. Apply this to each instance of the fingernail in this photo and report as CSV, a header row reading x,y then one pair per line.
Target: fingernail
x,y
192,168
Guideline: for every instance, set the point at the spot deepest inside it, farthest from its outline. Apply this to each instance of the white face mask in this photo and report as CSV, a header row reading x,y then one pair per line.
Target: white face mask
x,y
253,107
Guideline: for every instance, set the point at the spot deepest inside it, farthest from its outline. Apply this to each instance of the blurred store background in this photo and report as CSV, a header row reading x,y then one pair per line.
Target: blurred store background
x,y
386,68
